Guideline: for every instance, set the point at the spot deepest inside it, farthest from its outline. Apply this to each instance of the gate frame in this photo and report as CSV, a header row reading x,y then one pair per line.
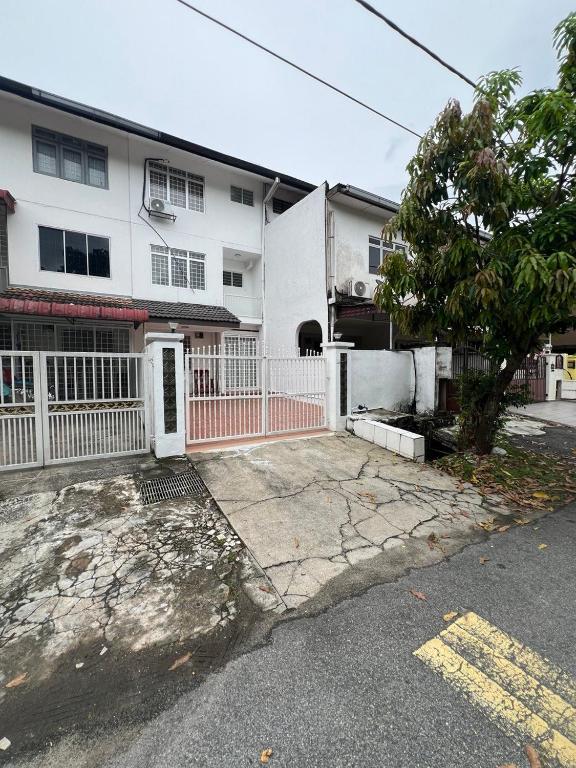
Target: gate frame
x,y
37,414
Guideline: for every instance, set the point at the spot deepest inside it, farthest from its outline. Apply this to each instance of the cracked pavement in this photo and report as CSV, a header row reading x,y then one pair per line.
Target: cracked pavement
x,y
310,510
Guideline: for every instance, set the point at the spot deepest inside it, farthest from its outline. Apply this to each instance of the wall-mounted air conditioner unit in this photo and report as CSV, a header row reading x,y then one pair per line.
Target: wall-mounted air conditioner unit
x,y
358,288
161,209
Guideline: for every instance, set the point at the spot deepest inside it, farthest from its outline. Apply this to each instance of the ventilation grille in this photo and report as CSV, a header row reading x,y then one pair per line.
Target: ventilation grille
x,y
172,487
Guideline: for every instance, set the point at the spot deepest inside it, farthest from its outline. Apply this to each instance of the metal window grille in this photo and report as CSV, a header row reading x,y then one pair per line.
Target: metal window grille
x,y
160,273
197,274
182,188
5,336
240,195
179,268
279,206
76,339
35,337
196,193
112,340
178,190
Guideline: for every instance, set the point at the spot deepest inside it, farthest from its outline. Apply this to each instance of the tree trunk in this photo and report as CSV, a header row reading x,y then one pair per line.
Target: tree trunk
x,y
480,418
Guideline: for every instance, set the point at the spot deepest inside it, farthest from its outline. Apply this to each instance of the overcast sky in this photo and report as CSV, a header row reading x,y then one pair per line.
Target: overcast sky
x,y
157,63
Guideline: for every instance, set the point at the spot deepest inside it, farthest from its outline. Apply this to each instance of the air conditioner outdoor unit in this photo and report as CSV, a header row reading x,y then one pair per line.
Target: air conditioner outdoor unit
x,y
358,288
160,208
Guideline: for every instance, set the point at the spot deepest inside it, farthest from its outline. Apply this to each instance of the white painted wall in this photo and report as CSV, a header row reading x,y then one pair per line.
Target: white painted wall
x,y
295,271
381,378
113,212
425,359
352,228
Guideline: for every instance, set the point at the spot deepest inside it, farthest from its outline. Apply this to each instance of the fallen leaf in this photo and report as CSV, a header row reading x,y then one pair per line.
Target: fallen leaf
x,y
484,560
541,495
179,661
79,665
265,755
432,540
532,756
508,765
542,546
18,680
418,595
450,615
266,589
464,513
519,521
296,542
503,528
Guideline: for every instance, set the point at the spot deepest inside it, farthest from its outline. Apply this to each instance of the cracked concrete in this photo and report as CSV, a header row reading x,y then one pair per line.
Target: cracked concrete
x,y
88,566
311,510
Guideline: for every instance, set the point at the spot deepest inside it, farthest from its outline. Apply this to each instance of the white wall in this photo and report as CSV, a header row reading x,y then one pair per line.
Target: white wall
x,y
295,271
381,378
352,228
425,359
113,212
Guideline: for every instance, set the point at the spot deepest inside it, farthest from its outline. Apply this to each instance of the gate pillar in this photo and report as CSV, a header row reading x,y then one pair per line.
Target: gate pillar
x,y
165,358
338,396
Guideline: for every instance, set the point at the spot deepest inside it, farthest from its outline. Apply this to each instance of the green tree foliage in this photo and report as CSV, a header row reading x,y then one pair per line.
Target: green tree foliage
x,y
506,168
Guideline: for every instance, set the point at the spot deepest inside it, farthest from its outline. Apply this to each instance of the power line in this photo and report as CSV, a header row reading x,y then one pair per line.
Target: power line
x,y
415,42
298,67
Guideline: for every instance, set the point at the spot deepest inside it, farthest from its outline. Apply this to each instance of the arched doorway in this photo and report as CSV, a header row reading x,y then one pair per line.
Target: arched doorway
x,y
310,337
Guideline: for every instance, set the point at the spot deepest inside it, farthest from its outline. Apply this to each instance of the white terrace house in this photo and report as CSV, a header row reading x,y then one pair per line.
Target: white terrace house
x,y
109,230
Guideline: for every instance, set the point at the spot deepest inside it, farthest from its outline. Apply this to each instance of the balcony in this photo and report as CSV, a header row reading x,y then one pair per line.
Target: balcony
x,y
247,308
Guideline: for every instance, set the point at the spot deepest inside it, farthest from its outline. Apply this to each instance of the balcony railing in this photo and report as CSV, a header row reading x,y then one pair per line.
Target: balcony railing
x,y
244,306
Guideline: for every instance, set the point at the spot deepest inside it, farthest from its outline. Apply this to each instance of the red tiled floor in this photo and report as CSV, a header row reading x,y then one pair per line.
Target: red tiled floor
x,y
229,417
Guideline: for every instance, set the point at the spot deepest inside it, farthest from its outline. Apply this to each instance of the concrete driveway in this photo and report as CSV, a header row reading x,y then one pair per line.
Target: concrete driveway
x,y
313,510
557,411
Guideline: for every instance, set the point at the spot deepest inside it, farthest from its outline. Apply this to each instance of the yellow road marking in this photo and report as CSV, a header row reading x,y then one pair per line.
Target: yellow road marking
x,y
513,697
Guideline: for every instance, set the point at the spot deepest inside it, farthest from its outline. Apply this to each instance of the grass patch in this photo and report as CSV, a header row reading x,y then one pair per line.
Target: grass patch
x,y
522,478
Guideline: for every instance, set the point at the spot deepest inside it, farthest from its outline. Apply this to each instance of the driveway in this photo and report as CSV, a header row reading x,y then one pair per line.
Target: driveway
x,y
557,411
338,511
101,593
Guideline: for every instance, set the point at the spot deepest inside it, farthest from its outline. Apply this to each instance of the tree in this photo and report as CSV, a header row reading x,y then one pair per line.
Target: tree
x,y
489,213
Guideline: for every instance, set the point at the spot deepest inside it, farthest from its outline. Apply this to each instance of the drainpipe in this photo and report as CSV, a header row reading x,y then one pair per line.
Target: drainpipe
x,y
267,198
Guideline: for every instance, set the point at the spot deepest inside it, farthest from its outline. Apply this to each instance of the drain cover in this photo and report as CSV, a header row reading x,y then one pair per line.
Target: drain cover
x,y
172,487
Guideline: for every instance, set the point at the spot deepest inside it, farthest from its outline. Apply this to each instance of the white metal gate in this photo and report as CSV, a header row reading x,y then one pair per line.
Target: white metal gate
x,y
68,406
236,390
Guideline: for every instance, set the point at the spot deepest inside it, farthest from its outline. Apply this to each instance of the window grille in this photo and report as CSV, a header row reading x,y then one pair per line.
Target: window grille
x,y
240,195
181,188
178,268
279,205
233,279
5,336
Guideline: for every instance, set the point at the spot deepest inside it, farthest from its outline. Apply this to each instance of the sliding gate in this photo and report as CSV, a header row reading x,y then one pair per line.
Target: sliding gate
x,y
67,406
237,391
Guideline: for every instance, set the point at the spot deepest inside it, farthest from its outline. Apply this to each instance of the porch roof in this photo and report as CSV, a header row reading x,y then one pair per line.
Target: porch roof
x,y
40,301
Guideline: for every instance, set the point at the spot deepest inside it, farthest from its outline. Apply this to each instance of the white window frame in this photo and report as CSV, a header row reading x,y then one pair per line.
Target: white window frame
x,y
61,142
193,262
165,175
384,246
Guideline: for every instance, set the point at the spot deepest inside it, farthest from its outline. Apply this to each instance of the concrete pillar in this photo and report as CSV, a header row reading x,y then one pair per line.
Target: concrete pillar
x,y
338,377
554,374
165,354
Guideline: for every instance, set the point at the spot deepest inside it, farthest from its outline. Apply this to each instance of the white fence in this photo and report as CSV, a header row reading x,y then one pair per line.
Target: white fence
x,y
237,390
57,407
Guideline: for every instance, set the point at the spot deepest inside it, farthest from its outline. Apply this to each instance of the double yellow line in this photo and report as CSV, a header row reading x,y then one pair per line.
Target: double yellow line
x,y
526,696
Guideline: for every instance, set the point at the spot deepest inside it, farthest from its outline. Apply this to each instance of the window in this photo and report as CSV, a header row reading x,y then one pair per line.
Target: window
x,y
5,336
240,195
74,252
377,248
178,268
279,206
56,154
233,279
182,189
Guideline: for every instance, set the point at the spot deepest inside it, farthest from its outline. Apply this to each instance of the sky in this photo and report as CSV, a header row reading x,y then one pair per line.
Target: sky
x,y
160,64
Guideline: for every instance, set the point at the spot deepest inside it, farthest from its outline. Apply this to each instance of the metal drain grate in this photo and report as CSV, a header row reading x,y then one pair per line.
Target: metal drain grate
x,y
172,487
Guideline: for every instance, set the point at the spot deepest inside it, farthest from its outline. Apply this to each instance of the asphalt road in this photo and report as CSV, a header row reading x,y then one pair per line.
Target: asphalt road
x,y
344,688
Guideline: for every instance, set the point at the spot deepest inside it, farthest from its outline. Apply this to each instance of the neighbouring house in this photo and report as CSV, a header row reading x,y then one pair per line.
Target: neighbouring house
x,y
110,229
332,241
